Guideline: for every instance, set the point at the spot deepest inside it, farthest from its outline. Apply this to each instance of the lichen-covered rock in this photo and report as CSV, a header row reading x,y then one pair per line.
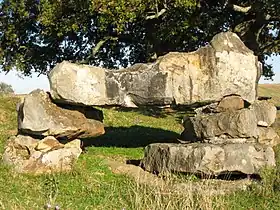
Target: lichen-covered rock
x,y
229,103
265,112
39,116
234,124
209,159
47,144
28,155
268,136
224,67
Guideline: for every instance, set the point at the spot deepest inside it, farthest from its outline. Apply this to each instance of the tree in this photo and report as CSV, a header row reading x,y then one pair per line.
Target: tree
x,y
5,88
36,34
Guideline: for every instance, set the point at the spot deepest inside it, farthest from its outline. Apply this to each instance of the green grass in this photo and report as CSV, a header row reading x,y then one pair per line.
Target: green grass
x,y
92,185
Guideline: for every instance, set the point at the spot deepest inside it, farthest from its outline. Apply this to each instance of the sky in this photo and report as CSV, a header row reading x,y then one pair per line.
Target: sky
x,y
27,84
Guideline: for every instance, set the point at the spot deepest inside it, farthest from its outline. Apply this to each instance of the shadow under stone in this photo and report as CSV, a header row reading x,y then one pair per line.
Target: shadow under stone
x,y
131,137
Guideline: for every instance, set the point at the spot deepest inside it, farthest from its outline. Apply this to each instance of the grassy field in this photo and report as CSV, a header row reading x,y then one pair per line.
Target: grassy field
x,y
92,185
271,90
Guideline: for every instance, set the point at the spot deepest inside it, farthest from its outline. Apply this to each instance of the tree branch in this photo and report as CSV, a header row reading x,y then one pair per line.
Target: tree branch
x,y
157,15
100,43
241,9
270,45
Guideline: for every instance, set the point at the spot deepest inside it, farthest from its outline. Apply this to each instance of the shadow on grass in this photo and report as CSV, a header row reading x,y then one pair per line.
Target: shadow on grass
x,y
177,112
156,111
131,137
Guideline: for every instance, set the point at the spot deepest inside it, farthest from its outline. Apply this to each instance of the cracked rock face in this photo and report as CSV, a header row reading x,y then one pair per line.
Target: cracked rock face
x,y
224,67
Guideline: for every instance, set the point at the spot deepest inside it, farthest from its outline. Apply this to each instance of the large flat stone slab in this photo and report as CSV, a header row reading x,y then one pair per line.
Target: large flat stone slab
x,y
209,159
224,67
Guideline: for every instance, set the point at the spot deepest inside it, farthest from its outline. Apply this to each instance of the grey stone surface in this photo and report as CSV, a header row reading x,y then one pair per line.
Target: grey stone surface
x,y
229,103
209,159
268,136
224,67
234,124
77,84
265,112
38,115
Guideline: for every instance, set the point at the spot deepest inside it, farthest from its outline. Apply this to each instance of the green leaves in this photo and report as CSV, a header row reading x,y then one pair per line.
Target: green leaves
x,y
36,34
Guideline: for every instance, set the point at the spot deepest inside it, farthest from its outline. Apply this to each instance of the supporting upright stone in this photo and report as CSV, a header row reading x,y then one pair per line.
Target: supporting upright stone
x,y
39,116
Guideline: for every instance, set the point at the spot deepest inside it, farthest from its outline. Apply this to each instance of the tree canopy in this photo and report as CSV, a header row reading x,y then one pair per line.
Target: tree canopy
x,y
36,34
6,88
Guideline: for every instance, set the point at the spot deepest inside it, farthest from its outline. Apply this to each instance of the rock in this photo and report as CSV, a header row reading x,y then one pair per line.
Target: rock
x,y
210,108
77,84
18,149
28,155
73,144
268,136
265,112
224,67
40,117
209,159
60,160
229,103
227,140
234,124
48,143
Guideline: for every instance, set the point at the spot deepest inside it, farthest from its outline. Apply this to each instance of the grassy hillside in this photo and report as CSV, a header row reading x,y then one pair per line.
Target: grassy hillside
x,y
271,90
92,185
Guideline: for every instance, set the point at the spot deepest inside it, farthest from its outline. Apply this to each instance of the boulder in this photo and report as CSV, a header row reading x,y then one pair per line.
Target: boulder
x,y
268,136
209,159
28,155
234,124
77,84
229,103
224,67
265,112
39,116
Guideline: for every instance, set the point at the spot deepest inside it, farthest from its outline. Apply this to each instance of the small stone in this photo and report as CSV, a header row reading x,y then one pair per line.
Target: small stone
x,y
229,103
73,144
48,143
265,112
262,123
47,206
268,136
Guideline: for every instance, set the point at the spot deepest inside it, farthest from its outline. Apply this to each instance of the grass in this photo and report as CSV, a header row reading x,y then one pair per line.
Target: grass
x,y
271,90
92,185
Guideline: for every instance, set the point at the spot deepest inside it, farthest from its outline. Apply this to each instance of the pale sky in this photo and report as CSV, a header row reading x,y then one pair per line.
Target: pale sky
x,y
27,84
